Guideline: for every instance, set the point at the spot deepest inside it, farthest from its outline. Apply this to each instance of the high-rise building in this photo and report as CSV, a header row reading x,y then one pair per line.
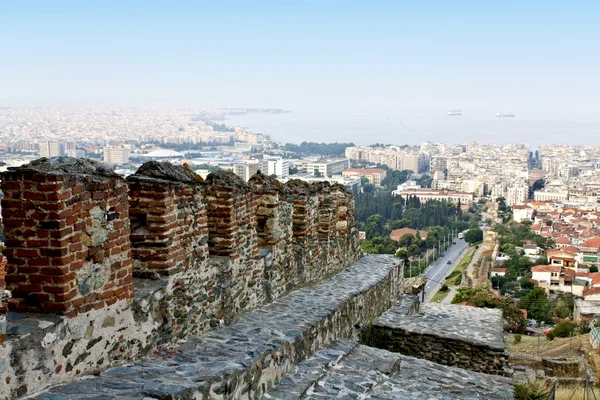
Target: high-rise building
x,y
279,167
51,149
116,155
246,169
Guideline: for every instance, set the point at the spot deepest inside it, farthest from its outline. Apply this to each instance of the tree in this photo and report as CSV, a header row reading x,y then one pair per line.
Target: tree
x,y
368,188
414,250
474,235
374,226
481,297
537,305
593,268
406,240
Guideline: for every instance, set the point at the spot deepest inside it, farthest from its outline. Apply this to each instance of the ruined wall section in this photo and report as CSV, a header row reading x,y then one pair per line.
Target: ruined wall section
x,y
274,217
169,237
66,227
233,243
305,242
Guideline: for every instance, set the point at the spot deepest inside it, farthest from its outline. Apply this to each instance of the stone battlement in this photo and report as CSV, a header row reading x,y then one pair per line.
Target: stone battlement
x,y
151,259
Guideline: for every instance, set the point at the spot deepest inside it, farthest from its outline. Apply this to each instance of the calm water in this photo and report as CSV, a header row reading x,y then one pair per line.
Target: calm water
x,y
364,129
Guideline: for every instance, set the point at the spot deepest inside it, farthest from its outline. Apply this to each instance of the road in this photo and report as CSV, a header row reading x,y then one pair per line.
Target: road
x,y
437,272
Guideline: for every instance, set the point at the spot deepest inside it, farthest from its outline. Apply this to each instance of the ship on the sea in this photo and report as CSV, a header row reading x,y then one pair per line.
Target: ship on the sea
x,y
505,115
454,112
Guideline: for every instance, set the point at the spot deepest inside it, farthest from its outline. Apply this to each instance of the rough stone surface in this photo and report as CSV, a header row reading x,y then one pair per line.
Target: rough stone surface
x,y
462,336
347,370
252,355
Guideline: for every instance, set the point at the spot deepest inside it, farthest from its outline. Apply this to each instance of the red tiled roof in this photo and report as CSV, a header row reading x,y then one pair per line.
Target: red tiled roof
x,y
397,234
546,268
593,242
498,270
591,291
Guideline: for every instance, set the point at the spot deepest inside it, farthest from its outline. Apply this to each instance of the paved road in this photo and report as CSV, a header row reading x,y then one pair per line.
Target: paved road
x,y
438,271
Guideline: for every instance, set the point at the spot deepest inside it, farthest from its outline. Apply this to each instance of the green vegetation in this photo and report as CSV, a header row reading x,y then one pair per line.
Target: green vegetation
x,y
321,149
440,296
562,329
504,211
474,235
517,338
482,297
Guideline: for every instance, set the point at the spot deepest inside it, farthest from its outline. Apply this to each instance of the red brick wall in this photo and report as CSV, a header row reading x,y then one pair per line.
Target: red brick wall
x,y
169,224
66,236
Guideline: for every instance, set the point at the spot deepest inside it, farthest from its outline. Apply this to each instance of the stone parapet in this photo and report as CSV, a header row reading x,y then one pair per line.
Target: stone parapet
x,y
242,360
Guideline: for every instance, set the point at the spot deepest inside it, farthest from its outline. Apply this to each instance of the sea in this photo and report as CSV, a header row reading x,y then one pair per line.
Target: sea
x,y
364,129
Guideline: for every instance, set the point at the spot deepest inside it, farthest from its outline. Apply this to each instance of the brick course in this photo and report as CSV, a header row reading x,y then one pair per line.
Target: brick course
x,y
67,228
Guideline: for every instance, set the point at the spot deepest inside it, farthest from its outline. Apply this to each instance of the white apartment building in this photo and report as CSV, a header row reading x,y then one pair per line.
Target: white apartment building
x,y
246,169
51,149
279,167
517,194
117,155
327,168
540,195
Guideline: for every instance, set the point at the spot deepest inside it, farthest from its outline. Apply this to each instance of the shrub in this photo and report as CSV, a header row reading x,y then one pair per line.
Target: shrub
x,y
564,329
521,391
517,338
444,288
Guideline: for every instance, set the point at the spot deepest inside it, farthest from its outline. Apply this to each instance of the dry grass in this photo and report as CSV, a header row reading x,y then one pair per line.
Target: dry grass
x,y
559,347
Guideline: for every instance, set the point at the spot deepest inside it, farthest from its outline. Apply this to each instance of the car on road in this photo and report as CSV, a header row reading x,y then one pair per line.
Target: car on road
x,y
449,262
520,330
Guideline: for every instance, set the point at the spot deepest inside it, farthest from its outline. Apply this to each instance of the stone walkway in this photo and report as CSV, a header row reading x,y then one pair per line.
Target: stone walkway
x,y
250,356
347,370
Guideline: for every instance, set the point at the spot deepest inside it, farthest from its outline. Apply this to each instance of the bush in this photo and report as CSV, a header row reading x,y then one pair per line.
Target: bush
x,y
564,329
593,268
521,391
444,288
583,327
517,338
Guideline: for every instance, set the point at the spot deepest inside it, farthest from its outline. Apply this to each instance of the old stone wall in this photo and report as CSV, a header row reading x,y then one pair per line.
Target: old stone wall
x,y
66,227
80,240
460,336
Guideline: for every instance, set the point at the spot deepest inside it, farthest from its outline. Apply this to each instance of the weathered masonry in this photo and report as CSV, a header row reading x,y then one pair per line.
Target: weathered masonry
x,y
465,337
104,269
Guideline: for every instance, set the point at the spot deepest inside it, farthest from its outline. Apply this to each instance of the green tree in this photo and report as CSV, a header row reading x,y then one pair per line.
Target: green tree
x,y
474,235
482,297
537,305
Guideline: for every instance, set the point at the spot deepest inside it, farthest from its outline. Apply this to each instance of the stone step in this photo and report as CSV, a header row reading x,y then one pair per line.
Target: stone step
x,y
454,335
250,356
371,373
310,371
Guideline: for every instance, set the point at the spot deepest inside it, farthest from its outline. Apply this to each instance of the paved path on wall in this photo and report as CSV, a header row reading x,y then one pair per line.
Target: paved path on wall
x,y
260,345
436,274
347,370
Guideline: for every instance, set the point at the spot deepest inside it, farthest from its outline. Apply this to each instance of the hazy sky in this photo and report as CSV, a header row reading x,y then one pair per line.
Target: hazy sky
x,y
538,57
